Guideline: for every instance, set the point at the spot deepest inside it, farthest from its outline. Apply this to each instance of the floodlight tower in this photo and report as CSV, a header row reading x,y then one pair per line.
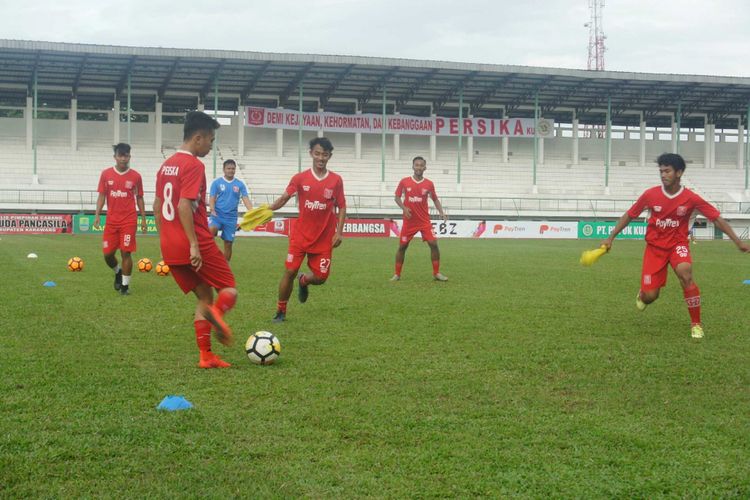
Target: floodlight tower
x,y
596,35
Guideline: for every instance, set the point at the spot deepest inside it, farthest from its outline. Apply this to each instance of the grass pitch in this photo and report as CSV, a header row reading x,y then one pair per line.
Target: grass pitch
x,y
524,375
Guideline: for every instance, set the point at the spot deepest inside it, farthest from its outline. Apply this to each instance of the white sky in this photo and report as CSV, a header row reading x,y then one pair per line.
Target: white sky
x,y
707,37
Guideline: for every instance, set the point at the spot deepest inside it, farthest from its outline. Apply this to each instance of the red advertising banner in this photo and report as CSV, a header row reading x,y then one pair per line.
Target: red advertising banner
x,y
35,223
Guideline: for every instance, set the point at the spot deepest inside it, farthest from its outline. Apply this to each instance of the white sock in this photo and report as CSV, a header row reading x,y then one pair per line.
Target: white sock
x,y
125,280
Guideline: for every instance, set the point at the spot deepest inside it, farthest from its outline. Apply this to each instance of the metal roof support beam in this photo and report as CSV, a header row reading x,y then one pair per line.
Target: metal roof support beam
x,y
488,94
211,82
442,100
294,83
416,86
326,95
254,81
168,79
533,92
380,84
125,76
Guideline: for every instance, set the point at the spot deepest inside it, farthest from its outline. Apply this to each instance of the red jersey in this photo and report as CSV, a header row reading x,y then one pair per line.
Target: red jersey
x,y
121,189
416,199
182,175
669,221
317,199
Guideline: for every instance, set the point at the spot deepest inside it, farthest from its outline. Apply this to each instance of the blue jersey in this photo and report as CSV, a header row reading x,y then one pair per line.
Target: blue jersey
x,y
228,195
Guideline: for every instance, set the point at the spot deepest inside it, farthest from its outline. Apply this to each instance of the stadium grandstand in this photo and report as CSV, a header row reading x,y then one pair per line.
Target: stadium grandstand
x,y
594,134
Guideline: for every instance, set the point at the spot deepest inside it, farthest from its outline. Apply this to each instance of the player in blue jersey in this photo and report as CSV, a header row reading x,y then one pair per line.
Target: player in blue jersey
x,y
226,193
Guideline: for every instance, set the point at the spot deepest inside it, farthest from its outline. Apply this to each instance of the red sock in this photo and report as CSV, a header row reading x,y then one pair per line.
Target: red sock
x,y
203,334
435,266
225,300
281,306
399,265
693,301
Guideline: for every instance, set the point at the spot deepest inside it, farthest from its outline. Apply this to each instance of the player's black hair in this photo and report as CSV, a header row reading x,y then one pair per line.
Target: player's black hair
x,y
121,148
671,160
323,142
418,158
226,162
198,121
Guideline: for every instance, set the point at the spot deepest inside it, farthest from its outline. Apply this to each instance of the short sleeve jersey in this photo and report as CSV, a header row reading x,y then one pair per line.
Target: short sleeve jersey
x,y
669,221
415,194
182,175
318,200
121,190
228,195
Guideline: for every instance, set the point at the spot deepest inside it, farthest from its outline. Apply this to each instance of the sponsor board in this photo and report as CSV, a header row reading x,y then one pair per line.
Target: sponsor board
x,y
601,230
84,224
498,229
35,223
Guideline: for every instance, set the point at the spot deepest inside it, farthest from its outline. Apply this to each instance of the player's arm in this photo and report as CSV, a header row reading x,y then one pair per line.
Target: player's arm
x,y
212,205
185,213
142,208
339,236
157,211
400,202
247,203
621,224
439,206
280,201
727,229
98,213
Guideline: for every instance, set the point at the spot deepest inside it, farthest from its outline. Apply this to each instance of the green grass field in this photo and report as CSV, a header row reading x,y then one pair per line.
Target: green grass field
x,y
524,375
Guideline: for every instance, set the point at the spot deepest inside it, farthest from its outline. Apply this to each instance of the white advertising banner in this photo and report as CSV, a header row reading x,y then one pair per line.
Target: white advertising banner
x,y
395,124
498,229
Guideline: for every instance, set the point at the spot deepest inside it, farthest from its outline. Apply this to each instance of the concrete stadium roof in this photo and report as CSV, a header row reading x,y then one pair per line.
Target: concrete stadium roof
x,y
95,74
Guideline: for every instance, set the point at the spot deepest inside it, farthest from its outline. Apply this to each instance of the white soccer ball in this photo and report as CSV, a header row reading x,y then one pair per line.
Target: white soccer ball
x,y
32,256
263,348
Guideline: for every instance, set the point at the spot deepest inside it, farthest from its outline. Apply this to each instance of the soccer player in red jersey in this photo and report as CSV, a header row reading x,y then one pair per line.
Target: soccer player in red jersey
x,y
671,206
122,188
318,229
187,245
411,195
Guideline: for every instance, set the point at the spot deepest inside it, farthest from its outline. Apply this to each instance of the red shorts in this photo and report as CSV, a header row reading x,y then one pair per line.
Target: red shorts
x,y
319,263
410,230
215,272
655,260
122,237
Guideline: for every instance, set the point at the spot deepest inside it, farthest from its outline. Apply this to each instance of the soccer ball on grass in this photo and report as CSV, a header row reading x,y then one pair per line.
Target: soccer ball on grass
x,y
75,264
145,265
162,269
263,348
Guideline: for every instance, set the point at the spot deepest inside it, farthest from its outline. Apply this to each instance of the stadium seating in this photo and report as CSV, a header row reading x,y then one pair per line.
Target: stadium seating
x,y
483,173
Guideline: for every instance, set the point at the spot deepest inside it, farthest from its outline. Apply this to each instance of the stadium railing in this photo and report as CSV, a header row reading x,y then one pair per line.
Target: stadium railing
x,y
51,200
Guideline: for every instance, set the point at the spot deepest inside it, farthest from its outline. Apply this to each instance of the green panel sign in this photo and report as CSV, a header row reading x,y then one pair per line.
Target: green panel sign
x,y
601,230
84,224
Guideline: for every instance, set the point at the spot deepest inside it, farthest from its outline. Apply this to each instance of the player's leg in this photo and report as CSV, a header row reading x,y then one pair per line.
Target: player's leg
x,y
292,264
110,244
431,239
286,285
683,268
207,359
320,268
653,276
213,225
228,250
217,274
407,233
228,229
127,247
